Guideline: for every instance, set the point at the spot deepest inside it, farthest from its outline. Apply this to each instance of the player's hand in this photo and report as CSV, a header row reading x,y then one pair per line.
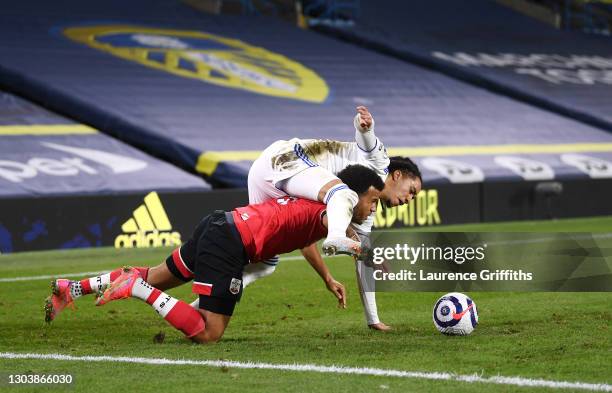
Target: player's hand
x,y
380,326
338,290
365,118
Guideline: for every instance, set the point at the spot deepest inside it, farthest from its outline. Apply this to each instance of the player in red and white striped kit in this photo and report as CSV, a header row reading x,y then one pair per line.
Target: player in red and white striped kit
x,y
216,255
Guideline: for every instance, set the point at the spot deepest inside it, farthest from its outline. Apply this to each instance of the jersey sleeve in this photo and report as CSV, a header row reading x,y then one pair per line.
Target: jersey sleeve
x,y
376,155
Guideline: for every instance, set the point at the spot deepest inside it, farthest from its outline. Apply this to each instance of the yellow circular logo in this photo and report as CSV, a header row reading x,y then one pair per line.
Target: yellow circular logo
x,y
208,58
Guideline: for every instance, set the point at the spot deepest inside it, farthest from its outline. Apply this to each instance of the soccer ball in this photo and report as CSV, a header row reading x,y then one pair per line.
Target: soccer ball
x,y
455,314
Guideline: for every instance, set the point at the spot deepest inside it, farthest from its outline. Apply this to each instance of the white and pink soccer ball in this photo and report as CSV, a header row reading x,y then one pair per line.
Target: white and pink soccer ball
x,y
455,314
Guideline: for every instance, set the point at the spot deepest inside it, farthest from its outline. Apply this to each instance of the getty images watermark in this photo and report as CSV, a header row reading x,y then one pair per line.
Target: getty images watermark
x,y
433,254
489,261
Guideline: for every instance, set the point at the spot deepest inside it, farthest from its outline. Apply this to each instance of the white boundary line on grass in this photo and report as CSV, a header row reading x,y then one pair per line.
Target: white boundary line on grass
x,y
443,376
46,277
87,274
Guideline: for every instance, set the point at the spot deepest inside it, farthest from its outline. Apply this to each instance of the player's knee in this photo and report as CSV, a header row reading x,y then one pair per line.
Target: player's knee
x,y
200,338
215,336
213,327
207,336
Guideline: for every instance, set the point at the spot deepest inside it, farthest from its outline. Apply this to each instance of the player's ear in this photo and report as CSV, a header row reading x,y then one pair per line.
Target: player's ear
x,y
397,174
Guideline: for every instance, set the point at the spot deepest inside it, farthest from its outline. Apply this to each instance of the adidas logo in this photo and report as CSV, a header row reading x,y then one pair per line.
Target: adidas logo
x,y
149,227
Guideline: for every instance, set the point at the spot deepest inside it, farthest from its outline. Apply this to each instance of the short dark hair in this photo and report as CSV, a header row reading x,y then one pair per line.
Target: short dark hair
x,y
405,165
359,178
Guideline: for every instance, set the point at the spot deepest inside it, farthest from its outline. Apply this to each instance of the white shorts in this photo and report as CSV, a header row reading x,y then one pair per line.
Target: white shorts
x,y
283,160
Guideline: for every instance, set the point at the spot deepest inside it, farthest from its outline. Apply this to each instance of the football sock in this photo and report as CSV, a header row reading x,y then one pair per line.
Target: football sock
x,y
178,313
340,202
95,284
255,271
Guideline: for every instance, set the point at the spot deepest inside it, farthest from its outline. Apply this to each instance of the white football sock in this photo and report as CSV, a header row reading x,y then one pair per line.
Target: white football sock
x,y
255,271
99,282
160,301
142,289
76,290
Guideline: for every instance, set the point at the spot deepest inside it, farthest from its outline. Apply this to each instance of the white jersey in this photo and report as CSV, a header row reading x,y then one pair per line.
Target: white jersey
x,y
295,155
284,159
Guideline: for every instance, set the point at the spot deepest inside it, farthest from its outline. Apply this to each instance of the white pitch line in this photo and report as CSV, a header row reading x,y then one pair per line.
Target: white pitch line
x,y
442,376
34,278
87,274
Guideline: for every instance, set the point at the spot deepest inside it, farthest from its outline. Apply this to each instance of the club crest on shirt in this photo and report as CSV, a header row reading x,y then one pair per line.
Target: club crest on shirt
x,y
235,286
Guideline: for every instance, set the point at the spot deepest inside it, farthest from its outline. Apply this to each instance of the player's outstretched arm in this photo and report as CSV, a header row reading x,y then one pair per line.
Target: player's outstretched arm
x,y
364,129
312,255
364,271
368,145
368,298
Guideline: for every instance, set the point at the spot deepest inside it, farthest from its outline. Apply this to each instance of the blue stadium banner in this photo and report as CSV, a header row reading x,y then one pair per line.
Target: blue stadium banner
x,y
128,220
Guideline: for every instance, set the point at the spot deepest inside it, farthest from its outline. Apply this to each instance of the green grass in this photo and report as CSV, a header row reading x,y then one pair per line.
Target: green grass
x,y
592,224
290,317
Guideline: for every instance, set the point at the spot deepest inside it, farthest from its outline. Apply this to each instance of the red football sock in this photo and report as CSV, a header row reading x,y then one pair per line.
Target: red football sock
x,y
178,313
186,319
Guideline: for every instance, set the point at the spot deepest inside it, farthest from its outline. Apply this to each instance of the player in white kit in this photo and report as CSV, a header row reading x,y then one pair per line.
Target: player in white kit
x,y
307,168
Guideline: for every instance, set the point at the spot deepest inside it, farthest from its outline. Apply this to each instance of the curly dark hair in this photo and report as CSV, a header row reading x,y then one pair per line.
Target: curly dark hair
x,y
359,178
406,165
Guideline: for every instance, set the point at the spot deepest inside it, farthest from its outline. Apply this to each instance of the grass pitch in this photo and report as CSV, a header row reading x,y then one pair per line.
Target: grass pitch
x,y
290,317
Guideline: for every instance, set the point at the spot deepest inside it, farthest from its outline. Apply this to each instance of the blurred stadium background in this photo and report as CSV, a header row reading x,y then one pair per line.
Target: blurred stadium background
x,y
124,122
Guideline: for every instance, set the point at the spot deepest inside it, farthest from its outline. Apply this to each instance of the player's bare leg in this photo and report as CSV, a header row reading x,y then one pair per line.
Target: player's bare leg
x,y
215,325
162,278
